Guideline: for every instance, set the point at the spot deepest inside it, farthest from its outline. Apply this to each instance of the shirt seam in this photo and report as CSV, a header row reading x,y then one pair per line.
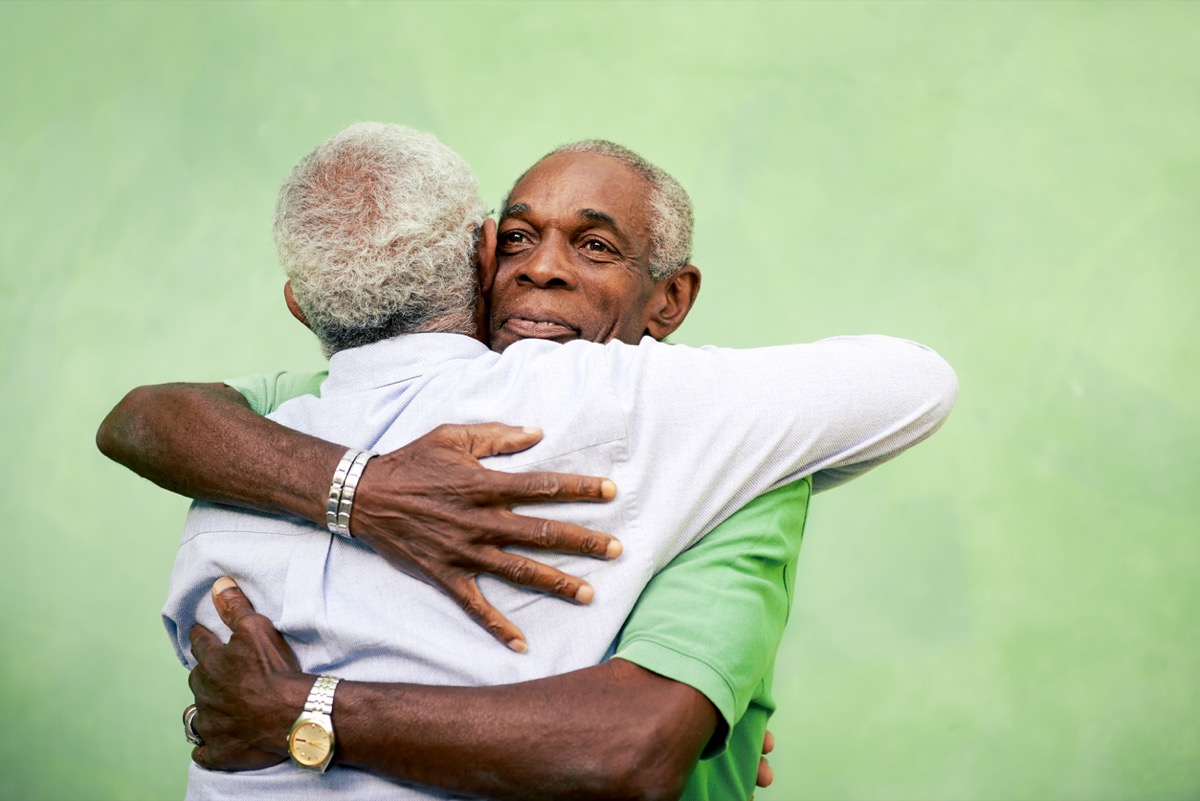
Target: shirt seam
x,y
691,659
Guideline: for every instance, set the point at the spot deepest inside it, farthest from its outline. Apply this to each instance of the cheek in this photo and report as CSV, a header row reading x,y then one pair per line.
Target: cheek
x,y
499,293
507,268
623,314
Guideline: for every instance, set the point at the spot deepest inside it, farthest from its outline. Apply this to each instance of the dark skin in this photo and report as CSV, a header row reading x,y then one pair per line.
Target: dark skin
x,y
518,734
611,746
573,258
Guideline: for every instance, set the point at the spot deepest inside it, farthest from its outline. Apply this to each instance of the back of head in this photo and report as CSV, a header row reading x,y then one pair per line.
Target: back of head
x,y
376,231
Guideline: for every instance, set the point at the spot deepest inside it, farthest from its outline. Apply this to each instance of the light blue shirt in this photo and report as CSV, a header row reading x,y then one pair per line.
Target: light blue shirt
x,y
689,435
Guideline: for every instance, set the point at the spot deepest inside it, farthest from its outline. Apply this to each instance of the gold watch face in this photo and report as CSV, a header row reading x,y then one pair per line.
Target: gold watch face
x,y
310,744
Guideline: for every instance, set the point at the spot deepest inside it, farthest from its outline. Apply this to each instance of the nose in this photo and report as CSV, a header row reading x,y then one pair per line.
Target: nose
x,y
548,266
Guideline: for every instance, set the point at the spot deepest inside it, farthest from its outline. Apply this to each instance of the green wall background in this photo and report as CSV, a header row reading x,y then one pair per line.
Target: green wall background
x,y
1010,612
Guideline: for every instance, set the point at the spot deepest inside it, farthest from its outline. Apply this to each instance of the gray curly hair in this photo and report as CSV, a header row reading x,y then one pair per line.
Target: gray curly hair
x,y
376,231
671,217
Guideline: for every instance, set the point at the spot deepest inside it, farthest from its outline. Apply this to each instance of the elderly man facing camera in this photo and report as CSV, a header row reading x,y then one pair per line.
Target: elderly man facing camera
x,y
689,435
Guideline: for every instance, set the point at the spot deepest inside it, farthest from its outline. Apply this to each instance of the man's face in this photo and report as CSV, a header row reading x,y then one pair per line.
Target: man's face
x,y
572,253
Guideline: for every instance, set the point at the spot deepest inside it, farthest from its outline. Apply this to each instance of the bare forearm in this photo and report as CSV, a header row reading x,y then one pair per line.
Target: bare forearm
x,y
608,732
204,441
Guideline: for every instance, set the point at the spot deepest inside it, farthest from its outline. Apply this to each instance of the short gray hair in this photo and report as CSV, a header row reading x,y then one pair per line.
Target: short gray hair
x,y
376,231
671,217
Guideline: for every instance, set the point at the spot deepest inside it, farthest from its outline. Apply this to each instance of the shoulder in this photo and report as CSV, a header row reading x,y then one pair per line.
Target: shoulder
x,y
265,392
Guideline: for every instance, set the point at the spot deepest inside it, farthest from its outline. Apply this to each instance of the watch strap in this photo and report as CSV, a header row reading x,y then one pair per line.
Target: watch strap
x,y
320,698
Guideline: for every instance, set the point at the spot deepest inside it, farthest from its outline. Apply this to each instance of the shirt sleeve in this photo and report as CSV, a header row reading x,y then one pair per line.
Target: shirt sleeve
x,y
739,423
714,617
266,391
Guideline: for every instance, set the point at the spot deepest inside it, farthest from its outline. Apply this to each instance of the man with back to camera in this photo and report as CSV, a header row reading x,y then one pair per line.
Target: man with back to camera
x,y
520,230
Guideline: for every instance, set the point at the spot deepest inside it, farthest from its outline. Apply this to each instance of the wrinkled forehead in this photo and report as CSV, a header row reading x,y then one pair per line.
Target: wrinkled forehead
x,y
568,184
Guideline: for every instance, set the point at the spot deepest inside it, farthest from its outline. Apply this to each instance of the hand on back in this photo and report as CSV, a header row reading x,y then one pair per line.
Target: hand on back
x,y
433,511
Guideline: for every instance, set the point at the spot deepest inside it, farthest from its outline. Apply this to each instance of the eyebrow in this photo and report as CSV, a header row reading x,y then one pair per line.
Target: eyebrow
x,y
599,216
591,215
516,208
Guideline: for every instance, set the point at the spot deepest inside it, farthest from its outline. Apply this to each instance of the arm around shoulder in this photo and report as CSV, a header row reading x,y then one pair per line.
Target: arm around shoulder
x,y
747,420
855,402
904,393
204,441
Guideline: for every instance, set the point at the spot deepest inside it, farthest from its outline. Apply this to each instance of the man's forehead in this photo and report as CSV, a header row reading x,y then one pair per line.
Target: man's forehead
x,y
588,185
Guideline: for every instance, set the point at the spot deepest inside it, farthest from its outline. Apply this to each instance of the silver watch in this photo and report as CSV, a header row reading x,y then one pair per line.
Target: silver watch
x,y
311,740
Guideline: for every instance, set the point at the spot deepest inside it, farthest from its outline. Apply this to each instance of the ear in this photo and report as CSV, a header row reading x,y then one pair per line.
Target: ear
x,y
485,261
485,255
675,298
293,306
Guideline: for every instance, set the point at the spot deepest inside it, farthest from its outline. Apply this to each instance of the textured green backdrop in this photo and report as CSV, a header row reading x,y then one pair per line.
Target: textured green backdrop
x,y
1010,612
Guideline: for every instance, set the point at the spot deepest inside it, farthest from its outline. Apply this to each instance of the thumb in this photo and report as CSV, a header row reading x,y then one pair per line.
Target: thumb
x,y
232,604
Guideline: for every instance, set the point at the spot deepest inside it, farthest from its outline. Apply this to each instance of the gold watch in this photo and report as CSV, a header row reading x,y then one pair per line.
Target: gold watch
x,y
311,740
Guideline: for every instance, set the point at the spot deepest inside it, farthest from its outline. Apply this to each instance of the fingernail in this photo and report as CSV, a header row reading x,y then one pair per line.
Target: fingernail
x,y
518,645
585,594
615,548
222,584
532,430
608,490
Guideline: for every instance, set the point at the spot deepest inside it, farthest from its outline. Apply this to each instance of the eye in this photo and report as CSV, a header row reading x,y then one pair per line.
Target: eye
x,y
593,245
511,241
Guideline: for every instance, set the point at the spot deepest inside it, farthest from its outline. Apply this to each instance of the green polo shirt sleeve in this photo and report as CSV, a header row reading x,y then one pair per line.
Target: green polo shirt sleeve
x,y
714,618
266,391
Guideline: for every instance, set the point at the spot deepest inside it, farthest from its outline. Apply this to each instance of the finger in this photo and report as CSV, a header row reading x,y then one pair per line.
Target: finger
x,y
232,604
200,756
555,535
535,575
542,487
490,439
196,682
203,642
466,592
765,774
768,742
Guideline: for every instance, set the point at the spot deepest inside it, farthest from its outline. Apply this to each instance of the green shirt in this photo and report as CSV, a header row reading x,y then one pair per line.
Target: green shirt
x,y
712,619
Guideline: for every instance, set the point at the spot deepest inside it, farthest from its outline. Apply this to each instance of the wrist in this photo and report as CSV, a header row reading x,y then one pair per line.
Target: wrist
x,y
312,489
367,517
312,740
290,692
342,489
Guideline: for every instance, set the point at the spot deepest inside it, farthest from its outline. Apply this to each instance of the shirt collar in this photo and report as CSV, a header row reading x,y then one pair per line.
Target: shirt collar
x,y
397,359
